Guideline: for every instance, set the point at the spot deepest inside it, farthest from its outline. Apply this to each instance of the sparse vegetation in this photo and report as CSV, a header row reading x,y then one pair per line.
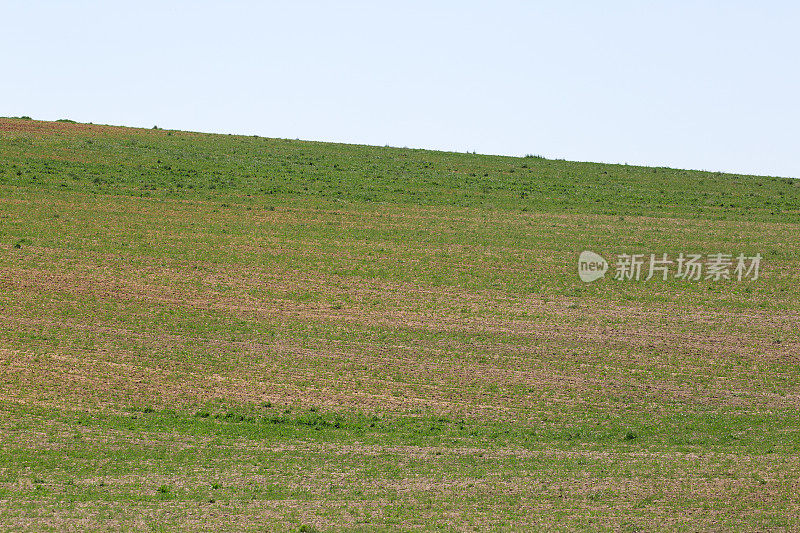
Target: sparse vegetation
x,y
239,333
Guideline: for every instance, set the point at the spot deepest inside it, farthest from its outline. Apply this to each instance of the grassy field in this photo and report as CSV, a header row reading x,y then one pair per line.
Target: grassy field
x,y
239,333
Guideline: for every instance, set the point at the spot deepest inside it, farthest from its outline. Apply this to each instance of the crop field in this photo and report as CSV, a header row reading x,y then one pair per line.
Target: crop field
x,y
243,334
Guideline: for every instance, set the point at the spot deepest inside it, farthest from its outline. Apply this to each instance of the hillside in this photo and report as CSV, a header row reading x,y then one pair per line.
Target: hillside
x,y
238,332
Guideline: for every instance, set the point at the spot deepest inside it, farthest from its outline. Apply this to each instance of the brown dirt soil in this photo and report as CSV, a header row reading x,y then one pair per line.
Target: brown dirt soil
x,y
42,127
432,375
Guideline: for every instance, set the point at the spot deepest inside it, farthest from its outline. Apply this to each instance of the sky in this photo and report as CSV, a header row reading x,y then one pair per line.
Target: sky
x,y
706,85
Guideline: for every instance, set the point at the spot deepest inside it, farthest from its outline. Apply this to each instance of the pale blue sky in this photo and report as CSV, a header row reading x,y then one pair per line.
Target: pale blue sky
x,y
706,85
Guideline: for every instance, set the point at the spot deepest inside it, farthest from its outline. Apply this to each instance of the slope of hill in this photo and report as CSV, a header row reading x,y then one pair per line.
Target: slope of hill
x,y
211,330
